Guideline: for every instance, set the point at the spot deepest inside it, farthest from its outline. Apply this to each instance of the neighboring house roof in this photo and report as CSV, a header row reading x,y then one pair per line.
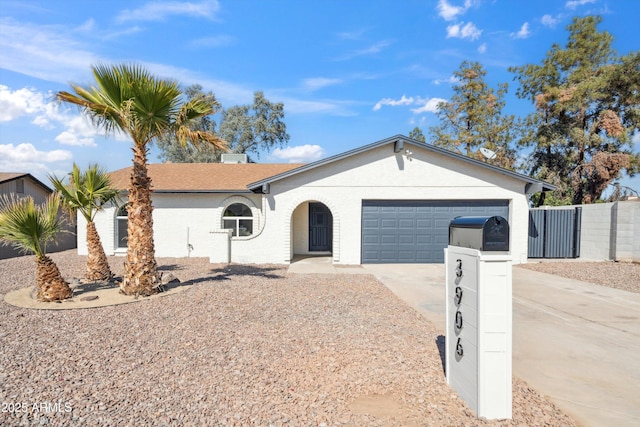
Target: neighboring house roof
x,y
203,177
12,176
398,142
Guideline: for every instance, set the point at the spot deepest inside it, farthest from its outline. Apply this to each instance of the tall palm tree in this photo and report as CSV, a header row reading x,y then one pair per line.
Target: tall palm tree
x,y
88,192
29,227
129,99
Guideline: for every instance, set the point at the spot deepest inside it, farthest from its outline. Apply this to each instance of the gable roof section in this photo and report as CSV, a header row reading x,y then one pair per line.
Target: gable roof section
x,y
12,176
532,185
202,177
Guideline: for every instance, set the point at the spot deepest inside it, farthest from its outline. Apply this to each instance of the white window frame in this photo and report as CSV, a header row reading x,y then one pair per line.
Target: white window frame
x,y
236,229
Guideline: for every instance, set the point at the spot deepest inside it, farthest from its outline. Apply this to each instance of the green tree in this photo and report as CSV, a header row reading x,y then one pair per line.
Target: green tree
x,y
171,150
473,118
246,129
88,192
29,228
417,134
587,103
128,98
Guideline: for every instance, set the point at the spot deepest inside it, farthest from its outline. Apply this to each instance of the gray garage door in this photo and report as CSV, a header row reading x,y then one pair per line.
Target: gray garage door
x,y
416,231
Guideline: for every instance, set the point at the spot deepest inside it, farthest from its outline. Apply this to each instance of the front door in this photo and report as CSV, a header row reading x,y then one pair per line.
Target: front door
x,y
320,227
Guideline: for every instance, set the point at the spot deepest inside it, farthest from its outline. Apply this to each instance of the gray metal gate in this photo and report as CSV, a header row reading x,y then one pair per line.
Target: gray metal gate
x,y
554,233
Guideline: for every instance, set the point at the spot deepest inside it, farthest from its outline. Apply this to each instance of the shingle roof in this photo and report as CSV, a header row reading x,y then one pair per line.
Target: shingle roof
x,y
203,177
9,176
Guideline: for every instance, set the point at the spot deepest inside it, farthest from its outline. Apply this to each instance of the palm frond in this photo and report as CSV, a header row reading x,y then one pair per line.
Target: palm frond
x,y
87,191
29,227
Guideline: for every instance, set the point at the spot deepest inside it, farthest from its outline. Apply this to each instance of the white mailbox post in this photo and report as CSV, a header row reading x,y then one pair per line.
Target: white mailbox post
x,y
479,320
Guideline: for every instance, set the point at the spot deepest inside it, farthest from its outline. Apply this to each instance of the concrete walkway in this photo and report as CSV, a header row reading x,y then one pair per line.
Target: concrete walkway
x,y
575,342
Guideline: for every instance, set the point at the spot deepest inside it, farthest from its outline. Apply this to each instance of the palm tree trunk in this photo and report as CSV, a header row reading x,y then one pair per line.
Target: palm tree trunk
x,y
140,269
51,285
97,264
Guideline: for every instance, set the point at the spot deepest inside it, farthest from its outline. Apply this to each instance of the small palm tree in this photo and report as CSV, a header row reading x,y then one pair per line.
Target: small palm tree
x,y
29,227
88,192
129,99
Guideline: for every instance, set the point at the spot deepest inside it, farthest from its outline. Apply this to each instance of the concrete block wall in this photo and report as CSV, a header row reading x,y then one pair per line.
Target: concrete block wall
x,y
611,231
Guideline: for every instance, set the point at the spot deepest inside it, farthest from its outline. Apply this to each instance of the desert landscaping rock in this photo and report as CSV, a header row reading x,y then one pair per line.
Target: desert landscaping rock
x,y
619,275
242,345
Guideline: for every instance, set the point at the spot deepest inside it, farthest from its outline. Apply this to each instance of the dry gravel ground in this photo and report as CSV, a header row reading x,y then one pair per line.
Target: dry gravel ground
x,y
620,275
245,345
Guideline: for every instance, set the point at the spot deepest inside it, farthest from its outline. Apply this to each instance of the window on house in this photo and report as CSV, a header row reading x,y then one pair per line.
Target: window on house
x,y
121,227
238,217
20,186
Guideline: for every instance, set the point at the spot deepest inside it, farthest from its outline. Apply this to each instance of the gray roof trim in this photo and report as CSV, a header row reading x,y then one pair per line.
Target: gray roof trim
x,y
203,191
256,186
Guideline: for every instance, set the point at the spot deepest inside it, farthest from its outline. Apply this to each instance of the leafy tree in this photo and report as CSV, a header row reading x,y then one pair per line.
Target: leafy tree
x,y
587,103
145,108
417,134
473,118
29,227
88,192
246,129
173,151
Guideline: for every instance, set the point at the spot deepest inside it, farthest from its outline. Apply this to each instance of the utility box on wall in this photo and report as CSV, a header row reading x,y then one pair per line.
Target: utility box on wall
x,y
479,317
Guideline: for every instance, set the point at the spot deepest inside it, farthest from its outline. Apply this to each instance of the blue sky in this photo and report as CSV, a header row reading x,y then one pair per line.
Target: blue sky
x,y
348,72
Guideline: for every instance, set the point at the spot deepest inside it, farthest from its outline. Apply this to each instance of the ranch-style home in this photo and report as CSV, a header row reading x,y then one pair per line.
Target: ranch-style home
x,y
387,202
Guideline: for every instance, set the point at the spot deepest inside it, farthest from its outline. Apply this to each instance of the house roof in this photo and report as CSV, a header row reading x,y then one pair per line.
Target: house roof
x,y
12,176
203,177
532,185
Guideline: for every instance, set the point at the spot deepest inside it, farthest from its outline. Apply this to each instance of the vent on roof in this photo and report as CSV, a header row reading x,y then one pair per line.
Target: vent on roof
x,y
234,158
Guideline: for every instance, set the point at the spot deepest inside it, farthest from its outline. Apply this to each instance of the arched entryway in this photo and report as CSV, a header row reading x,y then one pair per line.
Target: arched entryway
x,y
311,229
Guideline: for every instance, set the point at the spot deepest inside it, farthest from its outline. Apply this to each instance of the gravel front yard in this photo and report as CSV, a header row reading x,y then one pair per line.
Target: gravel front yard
x,y
245,345
620,275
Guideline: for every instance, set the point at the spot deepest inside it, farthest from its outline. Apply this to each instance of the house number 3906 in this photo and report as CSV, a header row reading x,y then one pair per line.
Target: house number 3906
x,y
458,301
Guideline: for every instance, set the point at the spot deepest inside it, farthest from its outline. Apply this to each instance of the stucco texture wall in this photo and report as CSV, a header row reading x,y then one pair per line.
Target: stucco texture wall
x,y
183,222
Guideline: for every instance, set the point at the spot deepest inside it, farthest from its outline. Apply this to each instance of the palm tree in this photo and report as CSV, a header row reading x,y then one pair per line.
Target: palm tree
x,y
127,98
29,227
88,192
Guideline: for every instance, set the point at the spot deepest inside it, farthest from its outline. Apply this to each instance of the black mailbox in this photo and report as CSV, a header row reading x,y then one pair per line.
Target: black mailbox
x,y
484,233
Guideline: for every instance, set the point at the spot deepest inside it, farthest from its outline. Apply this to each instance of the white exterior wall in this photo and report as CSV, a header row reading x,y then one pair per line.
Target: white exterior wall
x,y
281,230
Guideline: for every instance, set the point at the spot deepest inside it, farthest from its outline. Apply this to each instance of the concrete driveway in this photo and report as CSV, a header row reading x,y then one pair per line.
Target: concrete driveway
x,y
575,342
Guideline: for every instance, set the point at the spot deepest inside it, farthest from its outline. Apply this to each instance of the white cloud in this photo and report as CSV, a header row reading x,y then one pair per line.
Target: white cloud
x,y
450,80
216,41
371,50
46,114
449,12
429,106
160,11
426,105
50,53
393,102
482,48
21,102
468,31
26,157
523,33
316,83
79,132
572,4
299,154
549,21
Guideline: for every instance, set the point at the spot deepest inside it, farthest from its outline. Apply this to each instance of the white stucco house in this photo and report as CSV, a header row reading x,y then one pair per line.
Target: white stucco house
x,y
387,202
